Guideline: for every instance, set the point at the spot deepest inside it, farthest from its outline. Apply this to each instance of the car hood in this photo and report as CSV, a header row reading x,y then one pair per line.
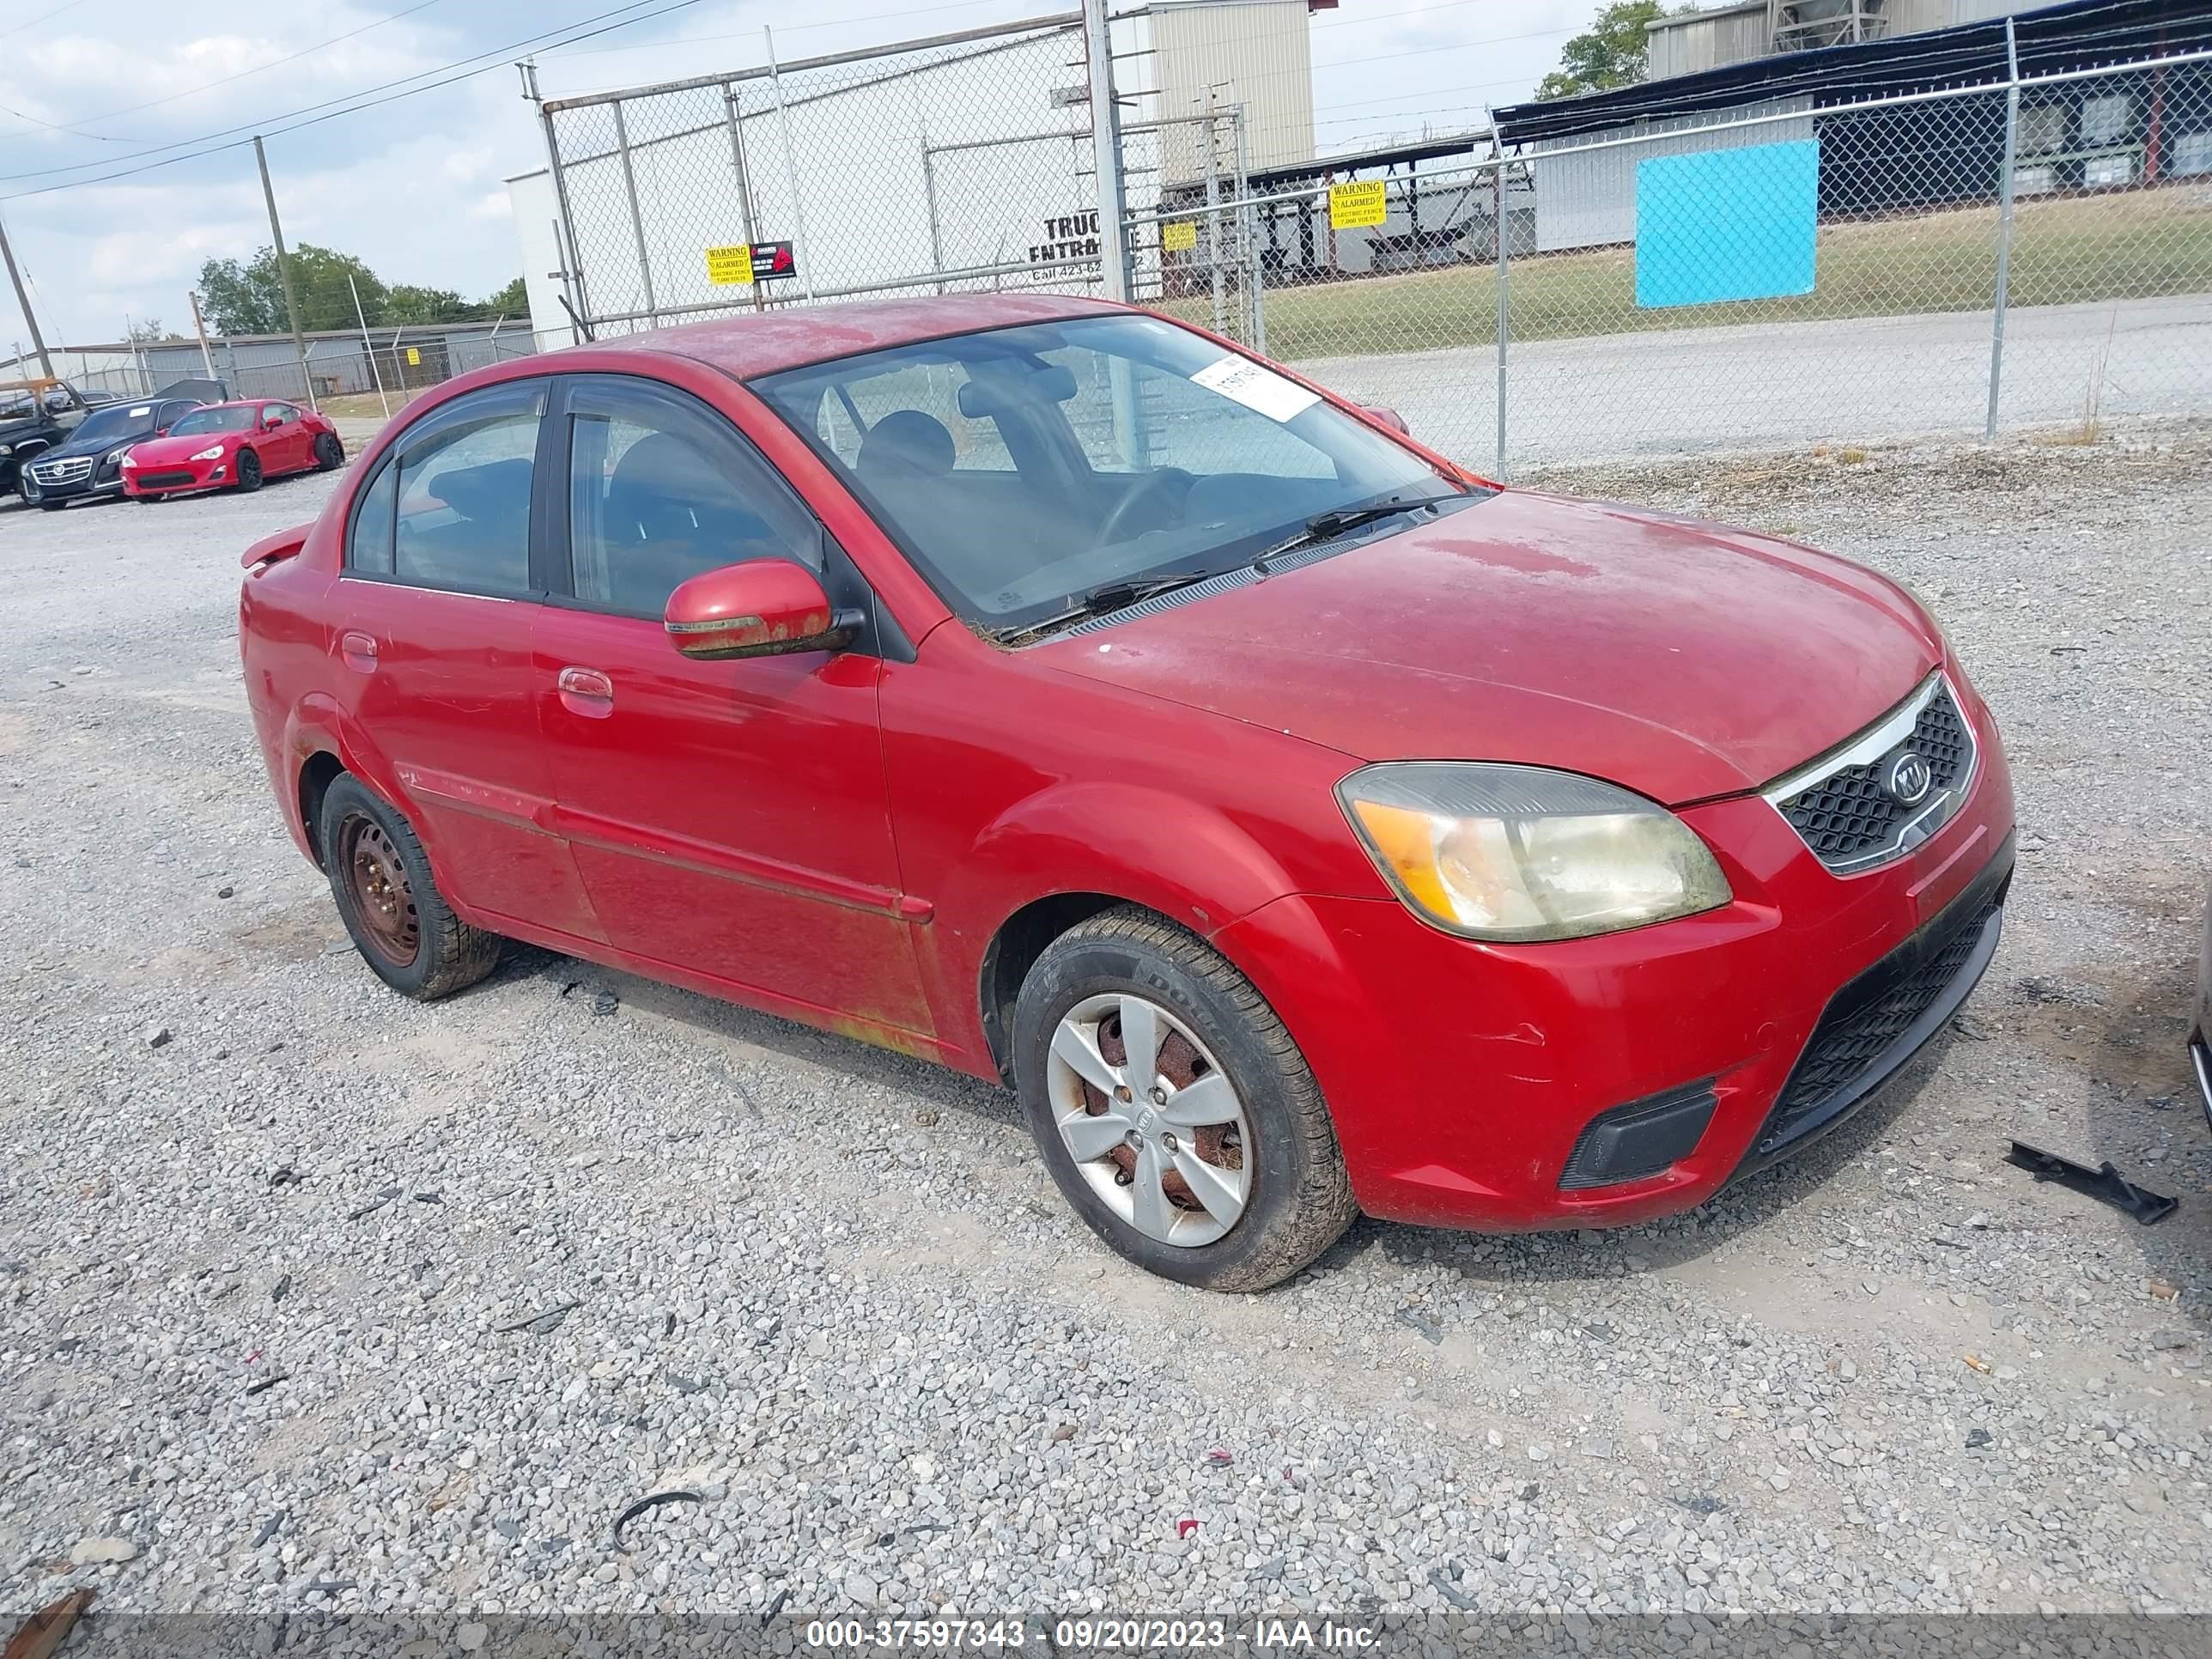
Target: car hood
x,y
1680,658
156,451
93,446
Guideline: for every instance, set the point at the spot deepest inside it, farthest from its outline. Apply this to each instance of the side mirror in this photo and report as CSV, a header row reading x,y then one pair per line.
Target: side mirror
x,y
761,608
271,422
1391,418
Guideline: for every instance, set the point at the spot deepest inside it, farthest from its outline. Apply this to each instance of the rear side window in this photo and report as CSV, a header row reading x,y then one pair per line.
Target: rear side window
x,y
461,512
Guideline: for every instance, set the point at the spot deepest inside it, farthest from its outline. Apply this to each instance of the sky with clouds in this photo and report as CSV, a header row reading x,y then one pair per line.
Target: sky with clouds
x,y
100,90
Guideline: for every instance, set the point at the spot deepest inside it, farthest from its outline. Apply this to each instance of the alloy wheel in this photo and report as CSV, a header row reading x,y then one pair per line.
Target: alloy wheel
x,y
1150,1119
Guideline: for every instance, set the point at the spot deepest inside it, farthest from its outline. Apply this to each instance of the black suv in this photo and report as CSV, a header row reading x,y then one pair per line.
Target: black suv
x,y
90,463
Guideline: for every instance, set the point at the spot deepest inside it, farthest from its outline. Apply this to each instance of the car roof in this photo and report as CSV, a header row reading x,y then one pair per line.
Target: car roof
x,y
746,344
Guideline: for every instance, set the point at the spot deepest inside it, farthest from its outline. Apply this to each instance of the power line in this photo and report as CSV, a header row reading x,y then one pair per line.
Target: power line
x,y
498,55
289,57
66,5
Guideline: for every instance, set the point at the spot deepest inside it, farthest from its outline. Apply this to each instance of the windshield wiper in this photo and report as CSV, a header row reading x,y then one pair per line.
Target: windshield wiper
x,y
1111,596
1326,526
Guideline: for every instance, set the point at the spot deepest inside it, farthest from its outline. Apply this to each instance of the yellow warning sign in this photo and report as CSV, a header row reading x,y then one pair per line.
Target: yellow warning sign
x,y
731,264
1353,206
414,356
1179,235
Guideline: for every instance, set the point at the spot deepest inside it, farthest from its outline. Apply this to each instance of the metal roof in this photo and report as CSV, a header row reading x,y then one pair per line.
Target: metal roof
x,y
2081,35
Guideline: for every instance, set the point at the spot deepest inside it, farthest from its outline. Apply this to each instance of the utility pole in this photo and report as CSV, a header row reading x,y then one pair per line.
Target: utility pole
x,y
38,340
200,327
1106,149
284,272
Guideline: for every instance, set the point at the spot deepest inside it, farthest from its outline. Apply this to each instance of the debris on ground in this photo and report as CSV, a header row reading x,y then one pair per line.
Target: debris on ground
x,y
541,1324
2104,1184
652,1502
44,1631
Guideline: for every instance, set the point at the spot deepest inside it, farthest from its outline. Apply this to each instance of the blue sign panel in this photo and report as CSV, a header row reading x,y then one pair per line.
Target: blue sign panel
x,y
1727,224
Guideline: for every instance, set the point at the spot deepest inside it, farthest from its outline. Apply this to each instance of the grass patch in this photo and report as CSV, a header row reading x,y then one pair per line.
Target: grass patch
x,y
2141,244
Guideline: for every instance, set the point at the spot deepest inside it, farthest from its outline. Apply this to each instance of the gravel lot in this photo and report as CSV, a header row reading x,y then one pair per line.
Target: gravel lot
x,y
313,1298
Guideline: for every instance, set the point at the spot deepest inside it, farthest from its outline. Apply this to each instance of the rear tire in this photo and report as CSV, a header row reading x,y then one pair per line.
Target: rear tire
x,y
1261,1143
389,901
249,471
329,452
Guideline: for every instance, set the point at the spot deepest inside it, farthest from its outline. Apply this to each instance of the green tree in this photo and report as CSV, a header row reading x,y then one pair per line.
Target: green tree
x,y
404,302
513,301
1609,53
249,299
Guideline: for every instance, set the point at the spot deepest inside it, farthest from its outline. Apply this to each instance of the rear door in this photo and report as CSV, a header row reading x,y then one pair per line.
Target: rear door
x,y
730,818
442,598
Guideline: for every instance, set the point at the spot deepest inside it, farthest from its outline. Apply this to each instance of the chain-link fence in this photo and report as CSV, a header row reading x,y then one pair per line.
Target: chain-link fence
x,y
355,376
2031,252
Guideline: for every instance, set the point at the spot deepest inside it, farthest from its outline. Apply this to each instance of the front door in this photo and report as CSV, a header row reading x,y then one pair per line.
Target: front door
x,y
730,818
436,654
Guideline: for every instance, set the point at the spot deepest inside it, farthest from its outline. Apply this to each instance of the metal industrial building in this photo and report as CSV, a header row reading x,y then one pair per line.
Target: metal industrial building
x,y
2147,125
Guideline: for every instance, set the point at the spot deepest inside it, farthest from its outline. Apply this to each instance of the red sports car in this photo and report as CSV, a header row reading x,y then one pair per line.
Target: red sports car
x,y
232,445
1301,824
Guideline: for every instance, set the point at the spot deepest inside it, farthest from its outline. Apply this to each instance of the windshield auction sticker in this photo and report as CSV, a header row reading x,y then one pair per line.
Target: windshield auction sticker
x,y
1256,388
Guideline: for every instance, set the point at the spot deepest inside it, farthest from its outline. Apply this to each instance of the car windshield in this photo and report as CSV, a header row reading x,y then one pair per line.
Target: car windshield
x,y
222,418
1024,469
116,421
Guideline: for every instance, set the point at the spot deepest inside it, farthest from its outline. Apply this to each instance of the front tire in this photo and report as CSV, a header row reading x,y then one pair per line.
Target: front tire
x,y
329,452
249,471
390,905
1173,1111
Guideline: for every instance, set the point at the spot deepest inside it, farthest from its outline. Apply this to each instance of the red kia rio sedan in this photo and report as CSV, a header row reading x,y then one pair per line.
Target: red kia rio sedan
x,y
1301,824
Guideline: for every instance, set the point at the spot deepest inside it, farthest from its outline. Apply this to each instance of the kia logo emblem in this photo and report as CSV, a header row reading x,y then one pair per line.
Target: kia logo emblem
x,y
1906,780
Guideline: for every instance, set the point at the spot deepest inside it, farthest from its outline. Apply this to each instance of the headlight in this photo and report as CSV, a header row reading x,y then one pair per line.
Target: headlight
x,y
129,460
7,449
213,452
1522,853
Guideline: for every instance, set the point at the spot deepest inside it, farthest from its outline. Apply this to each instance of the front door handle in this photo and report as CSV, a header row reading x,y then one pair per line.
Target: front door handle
x,y
358,651
586,691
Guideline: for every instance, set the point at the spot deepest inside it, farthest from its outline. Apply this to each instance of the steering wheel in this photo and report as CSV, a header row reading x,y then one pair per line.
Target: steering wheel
x,y
1141,489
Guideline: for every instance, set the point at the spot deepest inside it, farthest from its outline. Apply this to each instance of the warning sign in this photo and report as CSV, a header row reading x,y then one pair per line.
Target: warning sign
x,y
415,357
1351,207
1179,235
731,264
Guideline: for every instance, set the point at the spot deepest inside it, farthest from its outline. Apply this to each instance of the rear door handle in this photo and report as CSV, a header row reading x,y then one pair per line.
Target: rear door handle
x,y
586,691
359,650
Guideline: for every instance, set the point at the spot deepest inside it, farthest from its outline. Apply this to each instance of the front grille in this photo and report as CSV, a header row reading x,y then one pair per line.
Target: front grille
x,y
1846,816
164,480
73,470
1865,1020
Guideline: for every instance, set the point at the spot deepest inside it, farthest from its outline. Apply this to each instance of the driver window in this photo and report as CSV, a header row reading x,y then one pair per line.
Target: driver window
x,y
661,489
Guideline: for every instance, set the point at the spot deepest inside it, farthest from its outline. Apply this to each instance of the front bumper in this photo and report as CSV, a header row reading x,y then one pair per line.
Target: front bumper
x,y
81,490
172,479
1463,1077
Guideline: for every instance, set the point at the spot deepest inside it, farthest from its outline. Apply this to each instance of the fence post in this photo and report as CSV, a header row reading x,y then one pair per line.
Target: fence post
x,y
802,250
1106,152
1248,227
636,217
2004,228
744,182
565,228
1213,218
1504,308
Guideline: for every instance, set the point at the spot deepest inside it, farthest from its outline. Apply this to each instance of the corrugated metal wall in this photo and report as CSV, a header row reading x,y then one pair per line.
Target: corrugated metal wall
x,y
1586,197
1708,40
1252,52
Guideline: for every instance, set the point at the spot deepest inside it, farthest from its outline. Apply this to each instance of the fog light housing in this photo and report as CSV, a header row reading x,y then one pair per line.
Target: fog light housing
x,y
1644,1138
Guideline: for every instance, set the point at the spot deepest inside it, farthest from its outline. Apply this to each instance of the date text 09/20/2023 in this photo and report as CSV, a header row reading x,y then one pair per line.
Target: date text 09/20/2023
x,y
1091,1634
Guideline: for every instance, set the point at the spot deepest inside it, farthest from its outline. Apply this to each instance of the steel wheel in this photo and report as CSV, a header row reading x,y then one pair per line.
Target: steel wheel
x,y
1150,1119
381,892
